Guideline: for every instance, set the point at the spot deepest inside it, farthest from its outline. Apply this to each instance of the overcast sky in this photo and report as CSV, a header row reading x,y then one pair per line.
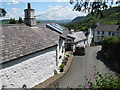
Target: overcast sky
x,y
44,9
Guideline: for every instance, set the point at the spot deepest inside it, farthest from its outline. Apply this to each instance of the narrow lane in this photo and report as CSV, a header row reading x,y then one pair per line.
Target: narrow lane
x,y
80,67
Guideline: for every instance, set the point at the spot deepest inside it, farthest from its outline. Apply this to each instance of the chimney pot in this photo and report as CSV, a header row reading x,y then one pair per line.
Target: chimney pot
x,y
29,6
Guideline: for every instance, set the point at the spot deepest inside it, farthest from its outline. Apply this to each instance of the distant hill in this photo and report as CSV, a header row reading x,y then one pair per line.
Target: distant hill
x,y
56,21
6,21
111,16
78,18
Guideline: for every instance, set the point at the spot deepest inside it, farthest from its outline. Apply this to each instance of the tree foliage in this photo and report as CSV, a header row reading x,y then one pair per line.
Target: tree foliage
x,y
20,20
93,7
2,12
111,51
103,81
12,21
111,16
38,21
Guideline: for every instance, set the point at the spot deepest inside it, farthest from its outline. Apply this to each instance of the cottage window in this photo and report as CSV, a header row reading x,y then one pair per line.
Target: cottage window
x,y
98,32
98,38
113,34
109,33
102,32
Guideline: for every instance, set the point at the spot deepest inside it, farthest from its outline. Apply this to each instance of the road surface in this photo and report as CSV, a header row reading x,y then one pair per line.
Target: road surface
x,y
82,66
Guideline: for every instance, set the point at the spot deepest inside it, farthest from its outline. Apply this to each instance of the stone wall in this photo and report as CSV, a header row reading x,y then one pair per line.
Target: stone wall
x,y
29,70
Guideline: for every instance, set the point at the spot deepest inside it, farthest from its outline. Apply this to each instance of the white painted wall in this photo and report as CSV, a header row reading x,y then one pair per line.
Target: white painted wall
x,y
89,38
106,34
61,51
30,70
80,43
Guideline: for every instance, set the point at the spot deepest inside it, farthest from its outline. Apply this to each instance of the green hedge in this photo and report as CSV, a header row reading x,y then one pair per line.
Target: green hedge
x,y
111,51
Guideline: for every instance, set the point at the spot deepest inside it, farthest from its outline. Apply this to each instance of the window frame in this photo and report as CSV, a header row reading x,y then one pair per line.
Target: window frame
x,y
98,32
109,33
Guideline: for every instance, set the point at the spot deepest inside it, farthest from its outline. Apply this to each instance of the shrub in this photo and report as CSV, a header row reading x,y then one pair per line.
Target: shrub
x,y
103,81
110,51
93,42
61,66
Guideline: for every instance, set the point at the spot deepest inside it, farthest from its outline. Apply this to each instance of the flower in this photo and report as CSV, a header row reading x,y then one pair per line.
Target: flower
x,y
94,73
86,77
89,85
96,77
95,69
94,66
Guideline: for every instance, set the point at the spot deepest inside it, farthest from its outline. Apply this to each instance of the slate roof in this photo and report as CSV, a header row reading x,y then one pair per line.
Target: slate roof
x,y
19,40
107,28
64,34
78,36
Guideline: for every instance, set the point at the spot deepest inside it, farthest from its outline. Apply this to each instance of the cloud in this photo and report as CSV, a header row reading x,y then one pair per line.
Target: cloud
x,y
62,0
15,10
14,13
59,13
13,2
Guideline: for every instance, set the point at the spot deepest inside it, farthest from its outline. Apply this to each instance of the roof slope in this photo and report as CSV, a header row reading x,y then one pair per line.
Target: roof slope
x,y
107,28
78,36
19,40
64,34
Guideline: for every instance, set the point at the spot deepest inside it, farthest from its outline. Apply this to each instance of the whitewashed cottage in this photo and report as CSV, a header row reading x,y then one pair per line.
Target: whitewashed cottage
x,y
103,31
82,39
30,52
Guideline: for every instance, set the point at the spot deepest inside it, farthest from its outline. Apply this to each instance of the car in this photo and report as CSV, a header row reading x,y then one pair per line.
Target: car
x,y
79,50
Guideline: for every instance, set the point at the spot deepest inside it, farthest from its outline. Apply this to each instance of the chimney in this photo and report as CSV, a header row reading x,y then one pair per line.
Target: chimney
x,y
29,6
71,31
30,19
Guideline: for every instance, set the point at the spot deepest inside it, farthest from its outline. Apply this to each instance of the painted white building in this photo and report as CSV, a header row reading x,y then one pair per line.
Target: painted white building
x,y
89,36
82,38
103,31
30,54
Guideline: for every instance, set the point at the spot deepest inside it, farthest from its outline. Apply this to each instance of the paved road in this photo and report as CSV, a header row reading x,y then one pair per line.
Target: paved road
x,y
81,66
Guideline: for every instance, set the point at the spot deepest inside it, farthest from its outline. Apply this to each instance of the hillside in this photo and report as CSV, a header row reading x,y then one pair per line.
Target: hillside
x,y
55,21
78,18
111,16
7,21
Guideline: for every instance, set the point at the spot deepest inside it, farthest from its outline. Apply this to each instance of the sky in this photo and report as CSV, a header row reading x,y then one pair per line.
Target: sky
x,y
44,9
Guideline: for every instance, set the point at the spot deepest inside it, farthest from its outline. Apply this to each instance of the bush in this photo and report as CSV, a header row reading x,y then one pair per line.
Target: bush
x,y
93,42
61,66
110,51
103,81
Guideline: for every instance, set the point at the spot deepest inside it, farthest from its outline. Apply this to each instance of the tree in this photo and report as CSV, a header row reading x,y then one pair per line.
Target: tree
x,y
94,7
2,12
20,20
38,21
12,21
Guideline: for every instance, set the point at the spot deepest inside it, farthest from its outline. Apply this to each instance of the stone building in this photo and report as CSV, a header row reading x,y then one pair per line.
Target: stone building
x,y
30,52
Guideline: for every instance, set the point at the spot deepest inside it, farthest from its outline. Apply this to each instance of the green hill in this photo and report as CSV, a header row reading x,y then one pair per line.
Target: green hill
x,y
110,16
